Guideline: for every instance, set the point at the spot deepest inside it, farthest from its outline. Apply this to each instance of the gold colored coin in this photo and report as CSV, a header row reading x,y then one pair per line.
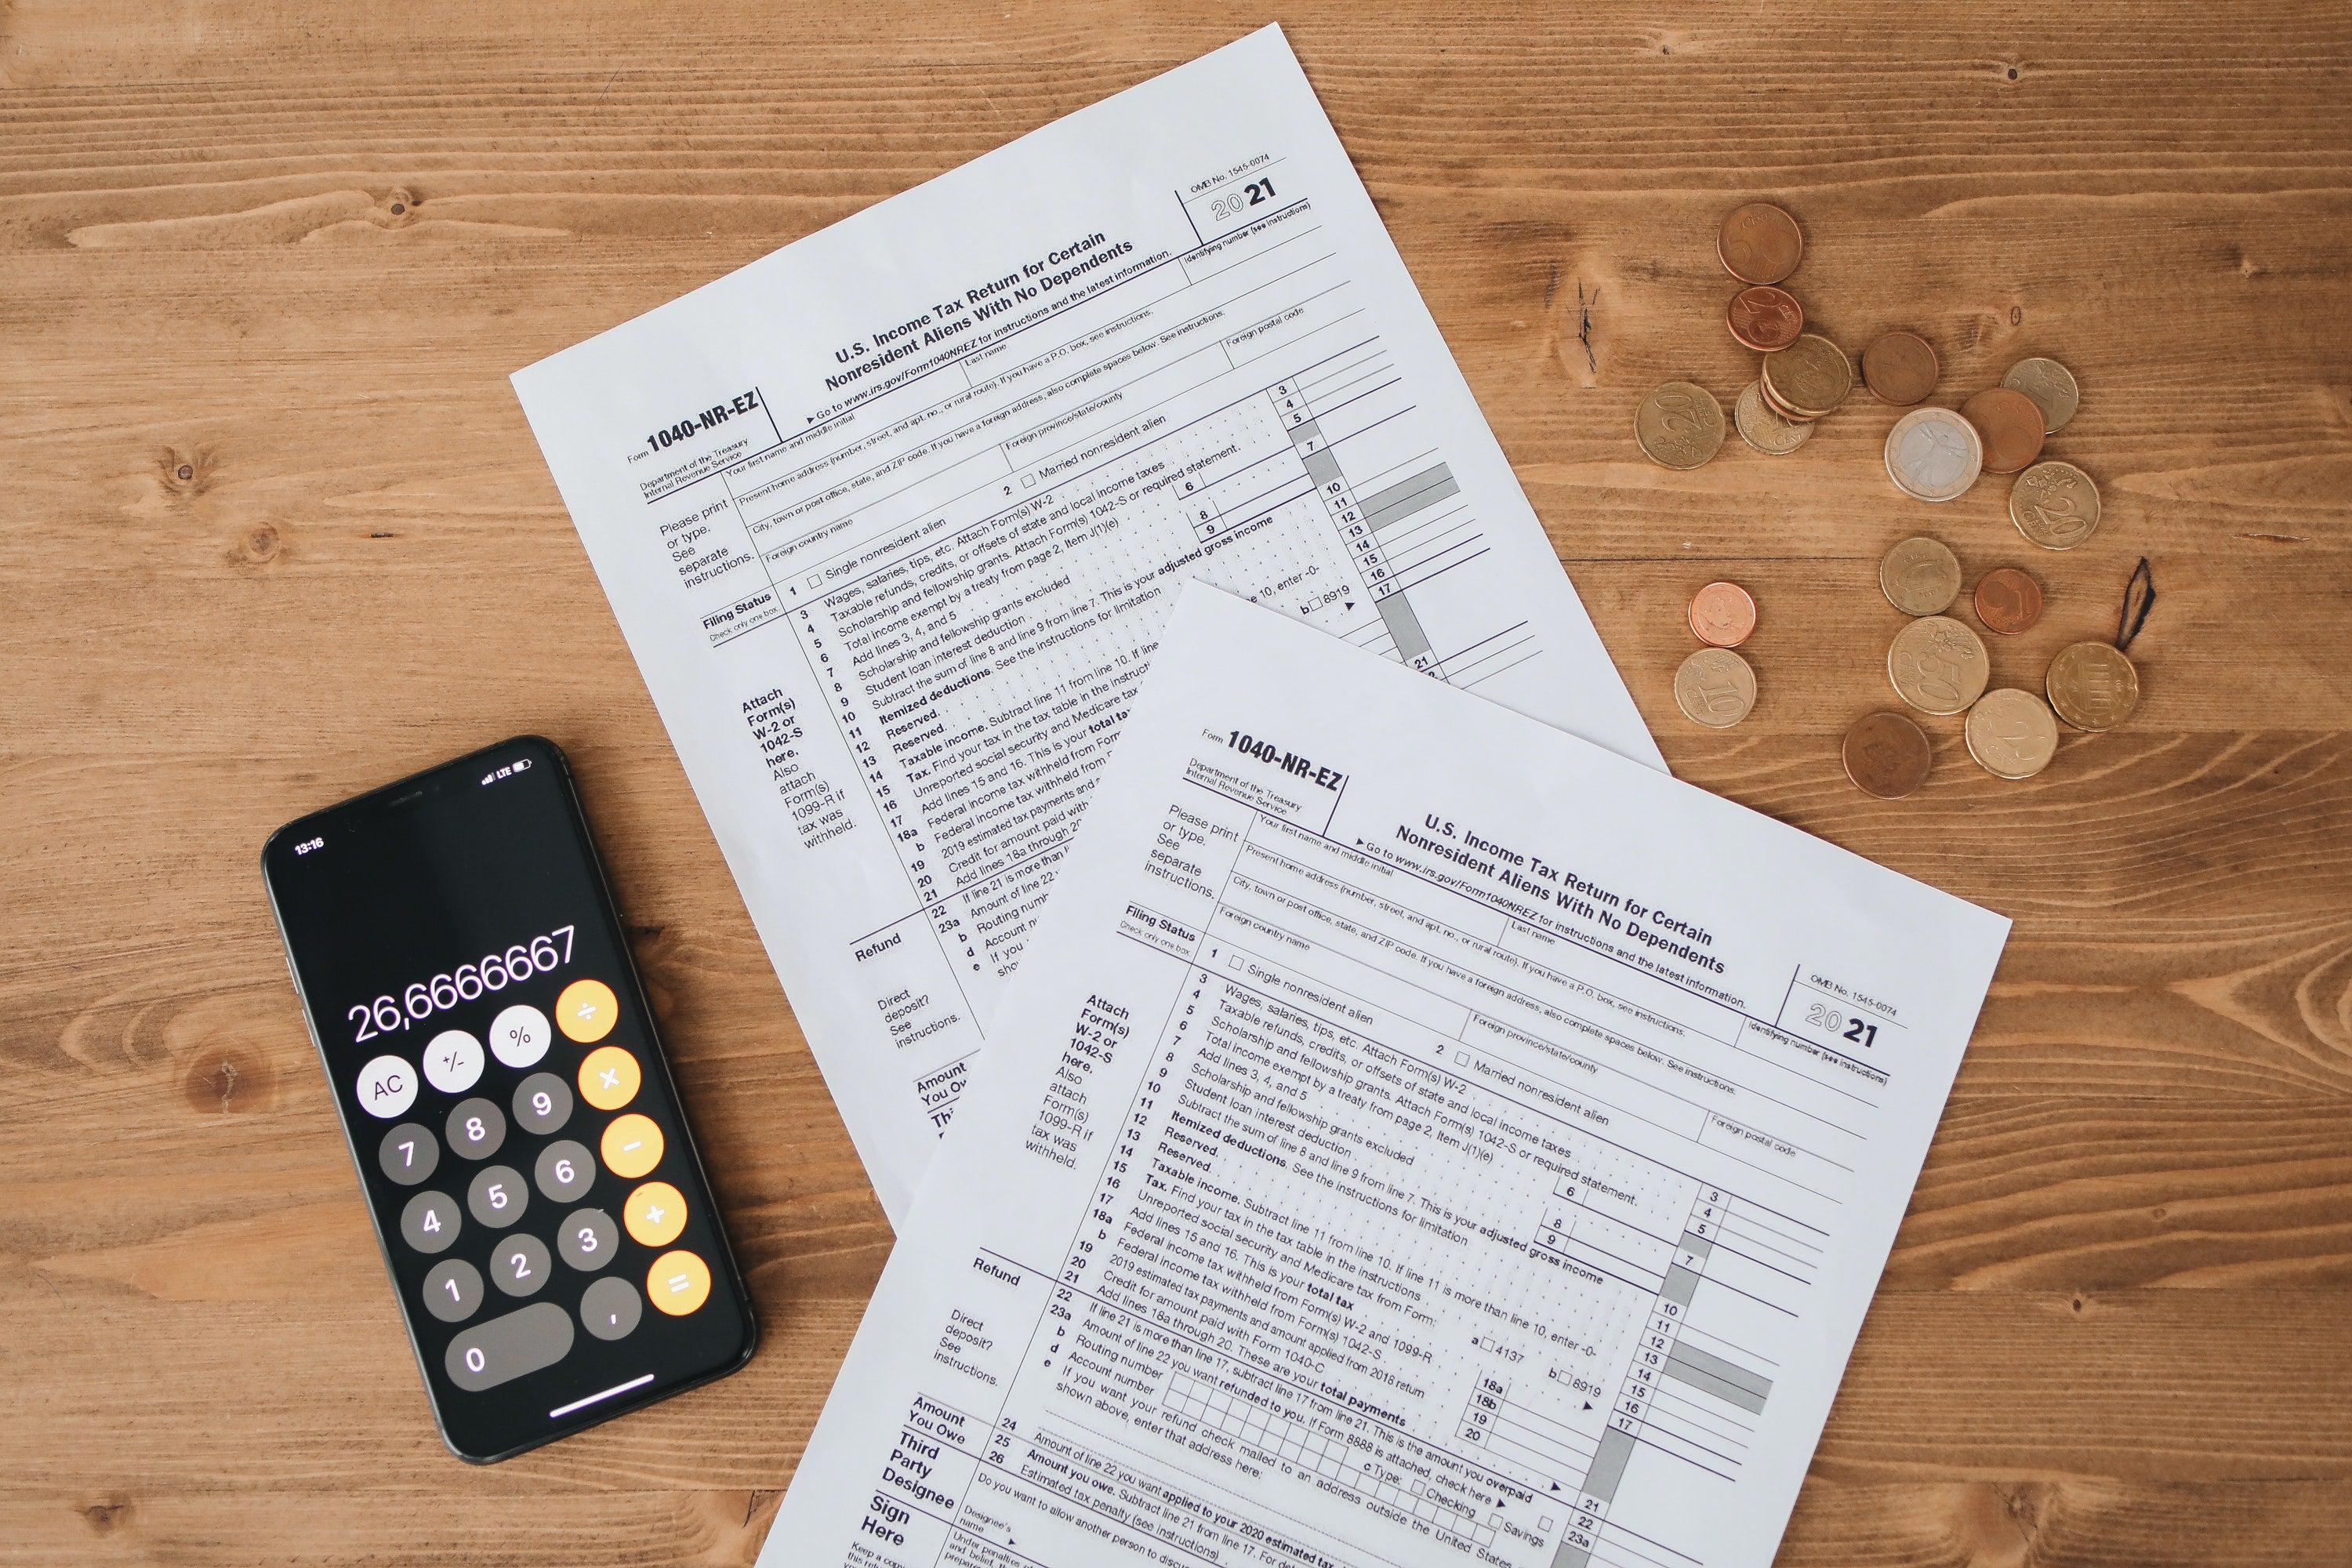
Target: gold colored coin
x,y
1762,427
1933,454
1938,665
1715,687
1920,577
1679,426
2011,733
2092,686
2056,505
2052,387
1810,377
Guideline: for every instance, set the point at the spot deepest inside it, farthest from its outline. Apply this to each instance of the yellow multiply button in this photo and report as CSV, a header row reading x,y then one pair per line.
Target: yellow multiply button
x,y
677,1283
633,1145
609,1077
587,1011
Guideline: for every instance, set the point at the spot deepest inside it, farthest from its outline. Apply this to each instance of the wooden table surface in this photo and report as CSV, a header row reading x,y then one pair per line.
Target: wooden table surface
x,y
275,532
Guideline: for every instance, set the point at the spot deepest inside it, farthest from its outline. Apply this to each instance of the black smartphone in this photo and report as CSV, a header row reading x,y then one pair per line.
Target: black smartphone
x,y
534,1187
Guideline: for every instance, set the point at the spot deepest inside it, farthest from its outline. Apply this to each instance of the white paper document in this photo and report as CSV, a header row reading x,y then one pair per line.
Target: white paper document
x,y
1416,1136
893,517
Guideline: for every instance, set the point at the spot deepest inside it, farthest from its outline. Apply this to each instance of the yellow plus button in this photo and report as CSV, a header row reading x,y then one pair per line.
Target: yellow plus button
x,y
655,1213
587,1011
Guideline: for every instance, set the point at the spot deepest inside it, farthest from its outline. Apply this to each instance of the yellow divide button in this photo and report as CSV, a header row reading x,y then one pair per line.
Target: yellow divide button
x,y
609,1077
633,1145
587,1011
678,1282
655,1214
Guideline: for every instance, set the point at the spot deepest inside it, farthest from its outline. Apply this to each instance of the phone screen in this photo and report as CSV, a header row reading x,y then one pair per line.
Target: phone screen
x,y
542,1211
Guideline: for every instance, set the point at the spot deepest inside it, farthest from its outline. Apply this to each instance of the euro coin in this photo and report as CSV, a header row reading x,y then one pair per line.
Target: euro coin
x,y
2008,601
1721,614
1764,396
1919,577
2011,733
1764,318
1759,243
1900,368
1715,688
2092,686
1763,428
2010,424
2052,387
1886,755
1938,665
1679,426
2056,505
1933,454
1810,377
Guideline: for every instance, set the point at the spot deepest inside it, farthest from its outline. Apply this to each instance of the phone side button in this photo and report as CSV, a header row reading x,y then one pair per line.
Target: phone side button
x,y
505,1348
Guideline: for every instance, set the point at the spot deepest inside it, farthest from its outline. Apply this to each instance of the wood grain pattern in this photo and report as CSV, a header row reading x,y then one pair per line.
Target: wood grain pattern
x,y
275,531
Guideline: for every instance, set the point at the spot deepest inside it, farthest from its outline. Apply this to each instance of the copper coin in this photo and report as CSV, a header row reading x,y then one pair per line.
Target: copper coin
x,y
1766,318
2011,424
1759,244
1900,368
1764,393
2008,601
1722,614
1887,755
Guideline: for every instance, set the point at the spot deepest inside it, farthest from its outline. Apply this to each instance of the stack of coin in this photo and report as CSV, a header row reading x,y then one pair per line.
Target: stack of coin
x,y
1716,687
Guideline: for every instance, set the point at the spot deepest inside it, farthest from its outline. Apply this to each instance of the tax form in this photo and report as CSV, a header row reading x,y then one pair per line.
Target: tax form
x,y
1418,1136
892,518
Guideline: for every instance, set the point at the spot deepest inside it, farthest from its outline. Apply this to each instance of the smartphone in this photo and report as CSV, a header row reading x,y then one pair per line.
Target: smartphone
x,y
534,1187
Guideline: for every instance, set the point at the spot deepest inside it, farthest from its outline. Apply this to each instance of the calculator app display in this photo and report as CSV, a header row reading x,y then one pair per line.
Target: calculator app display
x,y
541,1204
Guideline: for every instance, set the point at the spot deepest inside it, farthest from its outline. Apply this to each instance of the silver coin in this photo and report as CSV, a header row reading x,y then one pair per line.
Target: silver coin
x,y
1934,455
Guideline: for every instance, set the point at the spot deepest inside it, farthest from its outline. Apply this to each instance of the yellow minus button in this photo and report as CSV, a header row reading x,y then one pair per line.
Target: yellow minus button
x,y
633,1145
677,1283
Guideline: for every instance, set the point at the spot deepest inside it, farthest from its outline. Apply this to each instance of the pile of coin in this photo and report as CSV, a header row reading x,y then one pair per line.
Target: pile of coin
x,y
1937,664
1716,687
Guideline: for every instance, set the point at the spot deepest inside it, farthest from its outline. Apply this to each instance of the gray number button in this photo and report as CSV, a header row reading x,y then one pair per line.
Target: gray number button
x,y
503,1349
565,1170
429,1223
408,1154
543,1102
497,1196
611,1308
453,1290
518,1264
588,1240
477,1128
